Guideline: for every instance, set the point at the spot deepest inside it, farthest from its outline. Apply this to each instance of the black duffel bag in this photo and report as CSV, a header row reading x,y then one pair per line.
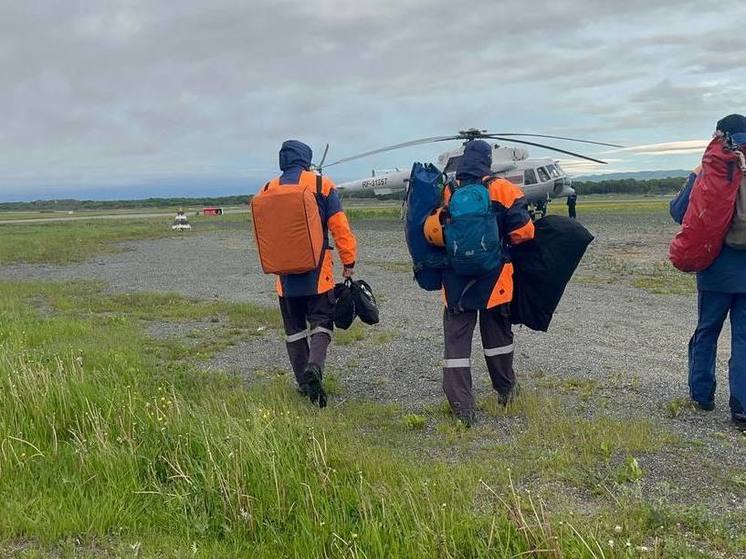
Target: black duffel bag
x,y
365,302
543,268
344,308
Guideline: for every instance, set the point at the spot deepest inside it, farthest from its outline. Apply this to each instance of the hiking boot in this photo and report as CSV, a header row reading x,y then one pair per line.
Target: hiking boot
x,y
739,419
467,419
314,388
704,406
510,396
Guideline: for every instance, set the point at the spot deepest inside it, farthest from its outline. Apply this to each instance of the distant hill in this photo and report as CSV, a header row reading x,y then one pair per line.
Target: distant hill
x,y
637,175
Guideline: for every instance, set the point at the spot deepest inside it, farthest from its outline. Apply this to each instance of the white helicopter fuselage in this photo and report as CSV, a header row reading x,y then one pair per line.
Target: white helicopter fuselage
x,y
541,179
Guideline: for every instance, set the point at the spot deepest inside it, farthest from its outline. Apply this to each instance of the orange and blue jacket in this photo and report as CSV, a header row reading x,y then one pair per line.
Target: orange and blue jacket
x,y
334,221
496,288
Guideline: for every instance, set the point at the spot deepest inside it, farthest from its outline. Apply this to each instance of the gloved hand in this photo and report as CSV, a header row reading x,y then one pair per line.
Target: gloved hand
x,y
348,272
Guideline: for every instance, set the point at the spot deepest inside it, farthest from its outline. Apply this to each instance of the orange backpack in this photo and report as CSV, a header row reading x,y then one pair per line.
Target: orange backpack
x,y
287,227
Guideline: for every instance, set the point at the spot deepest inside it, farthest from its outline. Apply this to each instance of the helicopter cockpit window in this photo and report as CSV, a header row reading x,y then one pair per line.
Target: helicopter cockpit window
x,y
453,163
529,177
554,171
543,175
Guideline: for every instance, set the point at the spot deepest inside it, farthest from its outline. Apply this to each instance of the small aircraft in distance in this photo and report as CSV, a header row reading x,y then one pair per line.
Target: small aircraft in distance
x,y
541,179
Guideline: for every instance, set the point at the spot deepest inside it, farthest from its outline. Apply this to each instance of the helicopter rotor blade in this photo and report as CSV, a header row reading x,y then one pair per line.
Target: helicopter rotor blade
x,y
396,146
323,157
554,138
552,148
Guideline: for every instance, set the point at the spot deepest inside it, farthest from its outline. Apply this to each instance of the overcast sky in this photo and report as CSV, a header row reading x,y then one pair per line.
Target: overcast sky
x,y
153,97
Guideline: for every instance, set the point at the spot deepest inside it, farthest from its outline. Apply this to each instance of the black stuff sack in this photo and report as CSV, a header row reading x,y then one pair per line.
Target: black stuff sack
x,y
344,308
543,268
365,302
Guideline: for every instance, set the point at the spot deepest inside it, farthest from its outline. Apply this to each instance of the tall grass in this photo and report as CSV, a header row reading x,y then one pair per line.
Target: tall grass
x,y
102,442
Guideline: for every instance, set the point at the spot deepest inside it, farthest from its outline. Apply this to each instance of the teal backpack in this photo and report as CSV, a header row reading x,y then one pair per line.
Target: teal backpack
x,y
472,236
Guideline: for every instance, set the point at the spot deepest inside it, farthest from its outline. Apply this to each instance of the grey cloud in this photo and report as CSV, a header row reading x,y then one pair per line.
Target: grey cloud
x,y
92,90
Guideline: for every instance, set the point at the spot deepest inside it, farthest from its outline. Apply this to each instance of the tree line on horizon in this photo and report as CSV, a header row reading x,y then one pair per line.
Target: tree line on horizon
x,y
76,205
649,187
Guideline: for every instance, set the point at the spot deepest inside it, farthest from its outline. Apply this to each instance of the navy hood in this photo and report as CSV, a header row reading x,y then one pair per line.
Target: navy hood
x,y
732,124
295,154
476,163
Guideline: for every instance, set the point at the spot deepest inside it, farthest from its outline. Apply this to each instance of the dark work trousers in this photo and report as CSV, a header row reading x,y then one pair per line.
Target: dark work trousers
x,y
497,342
571,203
309,325
714,307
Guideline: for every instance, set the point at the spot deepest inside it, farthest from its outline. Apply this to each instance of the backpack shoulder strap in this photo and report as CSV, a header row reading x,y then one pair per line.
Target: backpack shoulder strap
x,y
451,185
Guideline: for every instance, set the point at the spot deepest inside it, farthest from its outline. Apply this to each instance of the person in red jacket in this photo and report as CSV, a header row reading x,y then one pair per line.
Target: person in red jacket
x,y
487,298
307,300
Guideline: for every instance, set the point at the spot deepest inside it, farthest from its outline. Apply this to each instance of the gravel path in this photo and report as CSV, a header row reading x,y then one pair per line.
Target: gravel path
x,y
632,342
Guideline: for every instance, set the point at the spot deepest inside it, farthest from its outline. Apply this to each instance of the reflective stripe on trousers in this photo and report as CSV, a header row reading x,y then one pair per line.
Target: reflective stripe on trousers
x,y
296,337
456,363
497,339
503,350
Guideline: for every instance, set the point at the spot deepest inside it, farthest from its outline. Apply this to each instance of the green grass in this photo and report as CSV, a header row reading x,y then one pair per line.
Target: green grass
x,y
657,277
115,444
61,243
357,213
663,279
105,446
415,422
355,333
559,445
678,406
109,445
615,205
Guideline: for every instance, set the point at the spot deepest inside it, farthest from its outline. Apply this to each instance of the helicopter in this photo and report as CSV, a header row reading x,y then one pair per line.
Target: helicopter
x,y
541,179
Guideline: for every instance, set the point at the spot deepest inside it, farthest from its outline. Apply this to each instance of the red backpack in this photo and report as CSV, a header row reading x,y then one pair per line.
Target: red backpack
x,y
710,213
